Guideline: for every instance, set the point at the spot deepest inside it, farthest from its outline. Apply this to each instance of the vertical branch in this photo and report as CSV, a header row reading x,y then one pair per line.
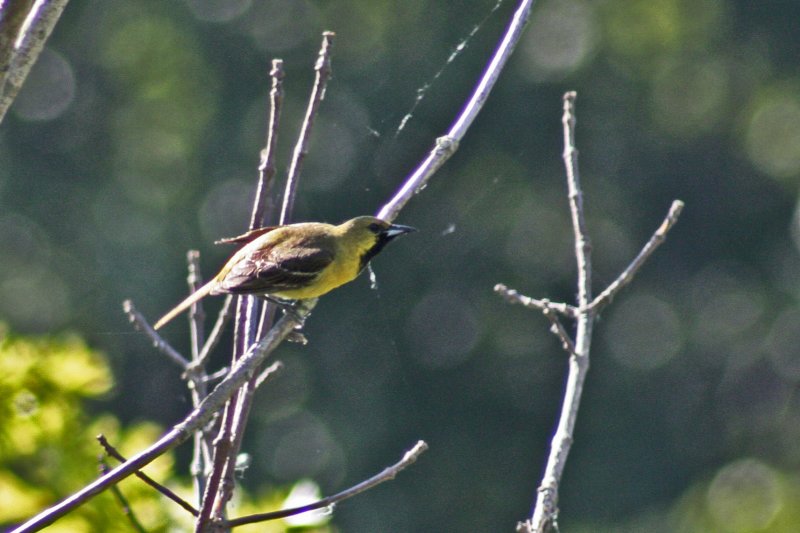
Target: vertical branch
x,y
22,44
323,70
545,510
266,167
196,373
196,314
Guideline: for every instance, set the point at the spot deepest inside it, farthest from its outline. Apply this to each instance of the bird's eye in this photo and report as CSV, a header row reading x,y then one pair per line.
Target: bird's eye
x,y
375,227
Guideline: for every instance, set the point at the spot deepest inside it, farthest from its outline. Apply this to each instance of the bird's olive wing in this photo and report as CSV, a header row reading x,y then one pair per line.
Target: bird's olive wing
x,y
264,271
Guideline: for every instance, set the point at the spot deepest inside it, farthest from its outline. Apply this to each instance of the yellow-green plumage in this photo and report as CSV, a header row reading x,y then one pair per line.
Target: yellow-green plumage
x,y
298,261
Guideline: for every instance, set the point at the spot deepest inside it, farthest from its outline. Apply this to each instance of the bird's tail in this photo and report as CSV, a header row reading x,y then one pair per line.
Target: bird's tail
x,y
200,293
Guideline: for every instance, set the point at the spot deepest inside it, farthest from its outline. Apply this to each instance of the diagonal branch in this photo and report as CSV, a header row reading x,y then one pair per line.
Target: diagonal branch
x,y
23,43
136,318
266,167
127,510
387,474
658,238
112,452
447,145
216,332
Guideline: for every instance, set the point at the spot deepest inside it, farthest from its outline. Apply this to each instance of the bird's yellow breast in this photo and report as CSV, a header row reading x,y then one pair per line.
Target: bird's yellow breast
x,y
334,275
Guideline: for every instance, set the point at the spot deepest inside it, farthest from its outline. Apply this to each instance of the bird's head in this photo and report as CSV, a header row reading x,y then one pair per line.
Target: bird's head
x,y
370,235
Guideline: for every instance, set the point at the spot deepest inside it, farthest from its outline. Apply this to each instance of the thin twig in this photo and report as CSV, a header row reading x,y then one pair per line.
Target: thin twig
x,y
557,329
216,331
136,318
35,31
658,238
196,314
196,375
219,374
112,452
266,167
447,145
244,369
513,297
127,510
387,474
269,373
323,74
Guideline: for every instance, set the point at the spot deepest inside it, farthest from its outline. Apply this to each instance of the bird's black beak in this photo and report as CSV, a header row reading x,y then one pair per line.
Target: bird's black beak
x,y
395,230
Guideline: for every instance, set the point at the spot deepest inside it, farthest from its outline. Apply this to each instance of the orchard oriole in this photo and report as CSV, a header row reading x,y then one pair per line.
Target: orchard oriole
x,y
297,261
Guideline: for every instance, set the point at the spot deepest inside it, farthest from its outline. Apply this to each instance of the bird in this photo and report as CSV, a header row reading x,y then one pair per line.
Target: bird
x,y
296,261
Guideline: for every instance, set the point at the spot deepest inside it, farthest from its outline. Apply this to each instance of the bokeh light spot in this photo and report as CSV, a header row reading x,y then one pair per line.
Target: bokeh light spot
x,y
644,332
744,496
688,96
783,344
225,210
444,329
49,89
561,37
218,10
280,25
727,301
36,298
120,222
305,449
772,137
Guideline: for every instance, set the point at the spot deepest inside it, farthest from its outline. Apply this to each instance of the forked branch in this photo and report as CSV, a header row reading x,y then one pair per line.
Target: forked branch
x,y
545,510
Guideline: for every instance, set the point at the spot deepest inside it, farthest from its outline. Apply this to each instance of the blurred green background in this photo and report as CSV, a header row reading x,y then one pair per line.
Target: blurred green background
x,y
137,136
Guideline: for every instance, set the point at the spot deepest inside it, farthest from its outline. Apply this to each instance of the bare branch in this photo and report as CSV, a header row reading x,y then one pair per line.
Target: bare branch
x,y
447,145
557,329
266,168
222,446
127,510
216,331
34,32
196,314
546,506
658,238
387,474
136,318
269,373
323,69
112,452
514,297
12,17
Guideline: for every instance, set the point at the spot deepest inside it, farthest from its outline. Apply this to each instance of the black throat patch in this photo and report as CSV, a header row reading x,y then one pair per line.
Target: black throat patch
x,y
383,240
